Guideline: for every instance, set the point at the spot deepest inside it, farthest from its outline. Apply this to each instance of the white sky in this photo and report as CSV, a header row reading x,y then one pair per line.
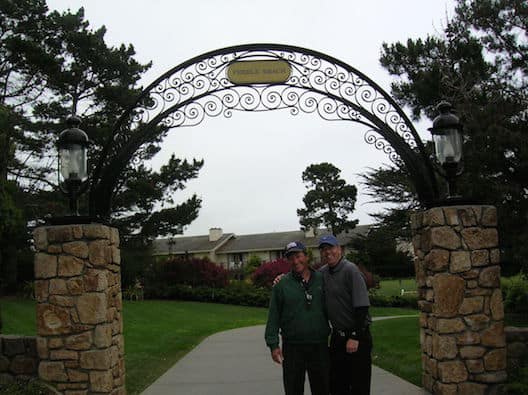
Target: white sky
x,y
251,179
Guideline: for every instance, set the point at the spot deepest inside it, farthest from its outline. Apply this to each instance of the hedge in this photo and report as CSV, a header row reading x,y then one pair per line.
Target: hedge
x,y
236,293
410,301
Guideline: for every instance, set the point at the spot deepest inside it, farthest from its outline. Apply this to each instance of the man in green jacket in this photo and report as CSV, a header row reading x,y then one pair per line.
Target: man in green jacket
x,y
297,310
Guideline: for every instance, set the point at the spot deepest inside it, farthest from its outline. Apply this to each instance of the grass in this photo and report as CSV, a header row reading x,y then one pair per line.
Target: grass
x,y
393,287
159,333
397,348
18,316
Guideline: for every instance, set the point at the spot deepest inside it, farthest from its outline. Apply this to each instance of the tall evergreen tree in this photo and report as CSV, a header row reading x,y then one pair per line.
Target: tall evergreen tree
x,y
480,65
52,65
329,201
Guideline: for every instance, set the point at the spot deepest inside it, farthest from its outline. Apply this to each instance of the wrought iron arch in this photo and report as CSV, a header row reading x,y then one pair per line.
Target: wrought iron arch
x,y
318,83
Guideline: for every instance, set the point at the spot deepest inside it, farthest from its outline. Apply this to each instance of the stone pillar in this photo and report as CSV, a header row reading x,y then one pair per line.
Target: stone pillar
x,y
79,318
461,320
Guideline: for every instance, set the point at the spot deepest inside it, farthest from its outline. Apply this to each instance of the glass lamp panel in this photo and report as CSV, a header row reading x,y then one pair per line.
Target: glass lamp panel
x,y
455,140
448,146
72,163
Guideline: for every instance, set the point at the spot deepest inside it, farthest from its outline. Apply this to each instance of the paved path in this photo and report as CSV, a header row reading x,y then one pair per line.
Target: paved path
x,y
237,362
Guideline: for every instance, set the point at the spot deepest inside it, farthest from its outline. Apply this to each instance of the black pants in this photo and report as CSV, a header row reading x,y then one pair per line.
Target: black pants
x,y
302,358
350,373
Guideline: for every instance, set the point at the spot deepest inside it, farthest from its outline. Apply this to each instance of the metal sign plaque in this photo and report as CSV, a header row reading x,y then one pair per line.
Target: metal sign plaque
x,y
259,72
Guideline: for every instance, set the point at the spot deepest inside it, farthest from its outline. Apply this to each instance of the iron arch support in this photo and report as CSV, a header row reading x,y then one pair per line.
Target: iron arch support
x,y
199,88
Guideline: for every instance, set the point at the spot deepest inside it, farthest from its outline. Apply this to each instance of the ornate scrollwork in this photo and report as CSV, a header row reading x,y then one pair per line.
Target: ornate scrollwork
x,y
317,84
189,94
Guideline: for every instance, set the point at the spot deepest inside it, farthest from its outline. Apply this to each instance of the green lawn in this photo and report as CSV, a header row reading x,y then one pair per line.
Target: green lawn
x,y
18,316
397,347
158,333
393,287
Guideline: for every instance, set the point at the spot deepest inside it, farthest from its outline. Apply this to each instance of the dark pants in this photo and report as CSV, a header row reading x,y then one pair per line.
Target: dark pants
x,y
302,358
350,373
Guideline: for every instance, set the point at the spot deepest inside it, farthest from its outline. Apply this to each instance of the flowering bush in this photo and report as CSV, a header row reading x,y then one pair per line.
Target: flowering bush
x,y
266,273
188,271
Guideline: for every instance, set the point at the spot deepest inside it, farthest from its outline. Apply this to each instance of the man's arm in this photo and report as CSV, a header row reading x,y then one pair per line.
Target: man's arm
x,y
359,292
271,334
277,279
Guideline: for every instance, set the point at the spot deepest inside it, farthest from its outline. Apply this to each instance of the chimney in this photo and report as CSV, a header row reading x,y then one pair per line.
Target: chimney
x,y
215,234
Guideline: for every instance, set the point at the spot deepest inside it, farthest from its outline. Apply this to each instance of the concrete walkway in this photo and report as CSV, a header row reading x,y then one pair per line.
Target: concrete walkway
x,y
237,362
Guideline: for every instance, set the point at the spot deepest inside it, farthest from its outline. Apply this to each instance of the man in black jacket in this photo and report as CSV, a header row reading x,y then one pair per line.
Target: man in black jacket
x,y
347,303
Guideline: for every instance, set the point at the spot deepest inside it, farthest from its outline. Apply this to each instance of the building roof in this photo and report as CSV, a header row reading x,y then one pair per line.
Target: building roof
x,y
278,240
188,244
230,243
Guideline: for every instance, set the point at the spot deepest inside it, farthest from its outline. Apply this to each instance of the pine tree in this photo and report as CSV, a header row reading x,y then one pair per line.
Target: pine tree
x,y
329,200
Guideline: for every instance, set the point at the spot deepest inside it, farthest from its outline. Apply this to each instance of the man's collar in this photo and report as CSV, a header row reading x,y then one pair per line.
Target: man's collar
x,y
337,267
299,277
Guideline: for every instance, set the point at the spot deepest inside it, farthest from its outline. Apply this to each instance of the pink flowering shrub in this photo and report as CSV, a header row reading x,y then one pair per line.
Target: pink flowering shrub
x,y
264,275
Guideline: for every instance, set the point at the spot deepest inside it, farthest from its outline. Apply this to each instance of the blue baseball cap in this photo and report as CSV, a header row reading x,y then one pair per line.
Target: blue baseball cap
x,y
294,246
328,239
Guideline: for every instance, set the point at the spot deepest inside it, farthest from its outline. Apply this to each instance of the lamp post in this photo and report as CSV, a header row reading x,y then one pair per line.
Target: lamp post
x,y
447,138
73,173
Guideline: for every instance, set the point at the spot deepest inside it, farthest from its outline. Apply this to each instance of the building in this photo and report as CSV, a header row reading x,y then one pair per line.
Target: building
x,y
231,251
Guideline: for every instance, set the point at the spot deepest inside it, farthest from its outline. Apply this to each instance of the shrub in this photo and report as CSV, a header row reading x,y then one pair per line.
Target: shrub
x,y
134,292
518,380
25,388
237,293
135,259
252,264
515,294
266,273
186,271
393,301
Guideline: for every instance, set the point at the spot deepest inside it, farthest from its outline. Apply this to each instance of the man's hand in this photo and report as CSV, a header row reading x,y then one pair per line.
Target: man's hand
x,y
276,355
277,279
352,346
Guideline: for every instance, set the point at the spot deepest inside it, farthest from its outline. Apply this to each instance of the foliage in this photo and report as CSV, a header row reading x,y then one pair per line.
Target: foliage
x,y
194,272
480,64
134,292
252,264
136,257
54,64
515,295
32,387
237,293
13,235
518,380
381,252
329,200
410,301
266,273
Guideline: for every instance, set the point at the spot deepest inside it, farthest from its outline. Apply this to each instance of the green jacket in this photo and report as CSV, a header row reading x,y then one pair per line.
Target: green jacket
x,y
298,321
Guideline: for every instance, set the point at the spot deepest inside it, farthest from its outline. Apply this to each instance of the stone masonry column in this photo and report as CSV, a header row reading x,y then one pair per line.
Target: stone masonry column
x,y
79,321
458,277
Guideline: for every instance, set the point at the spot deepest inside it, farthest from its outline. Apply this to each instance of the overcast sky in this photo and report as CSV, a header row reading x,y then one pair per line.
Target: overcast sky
x,y
251,179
